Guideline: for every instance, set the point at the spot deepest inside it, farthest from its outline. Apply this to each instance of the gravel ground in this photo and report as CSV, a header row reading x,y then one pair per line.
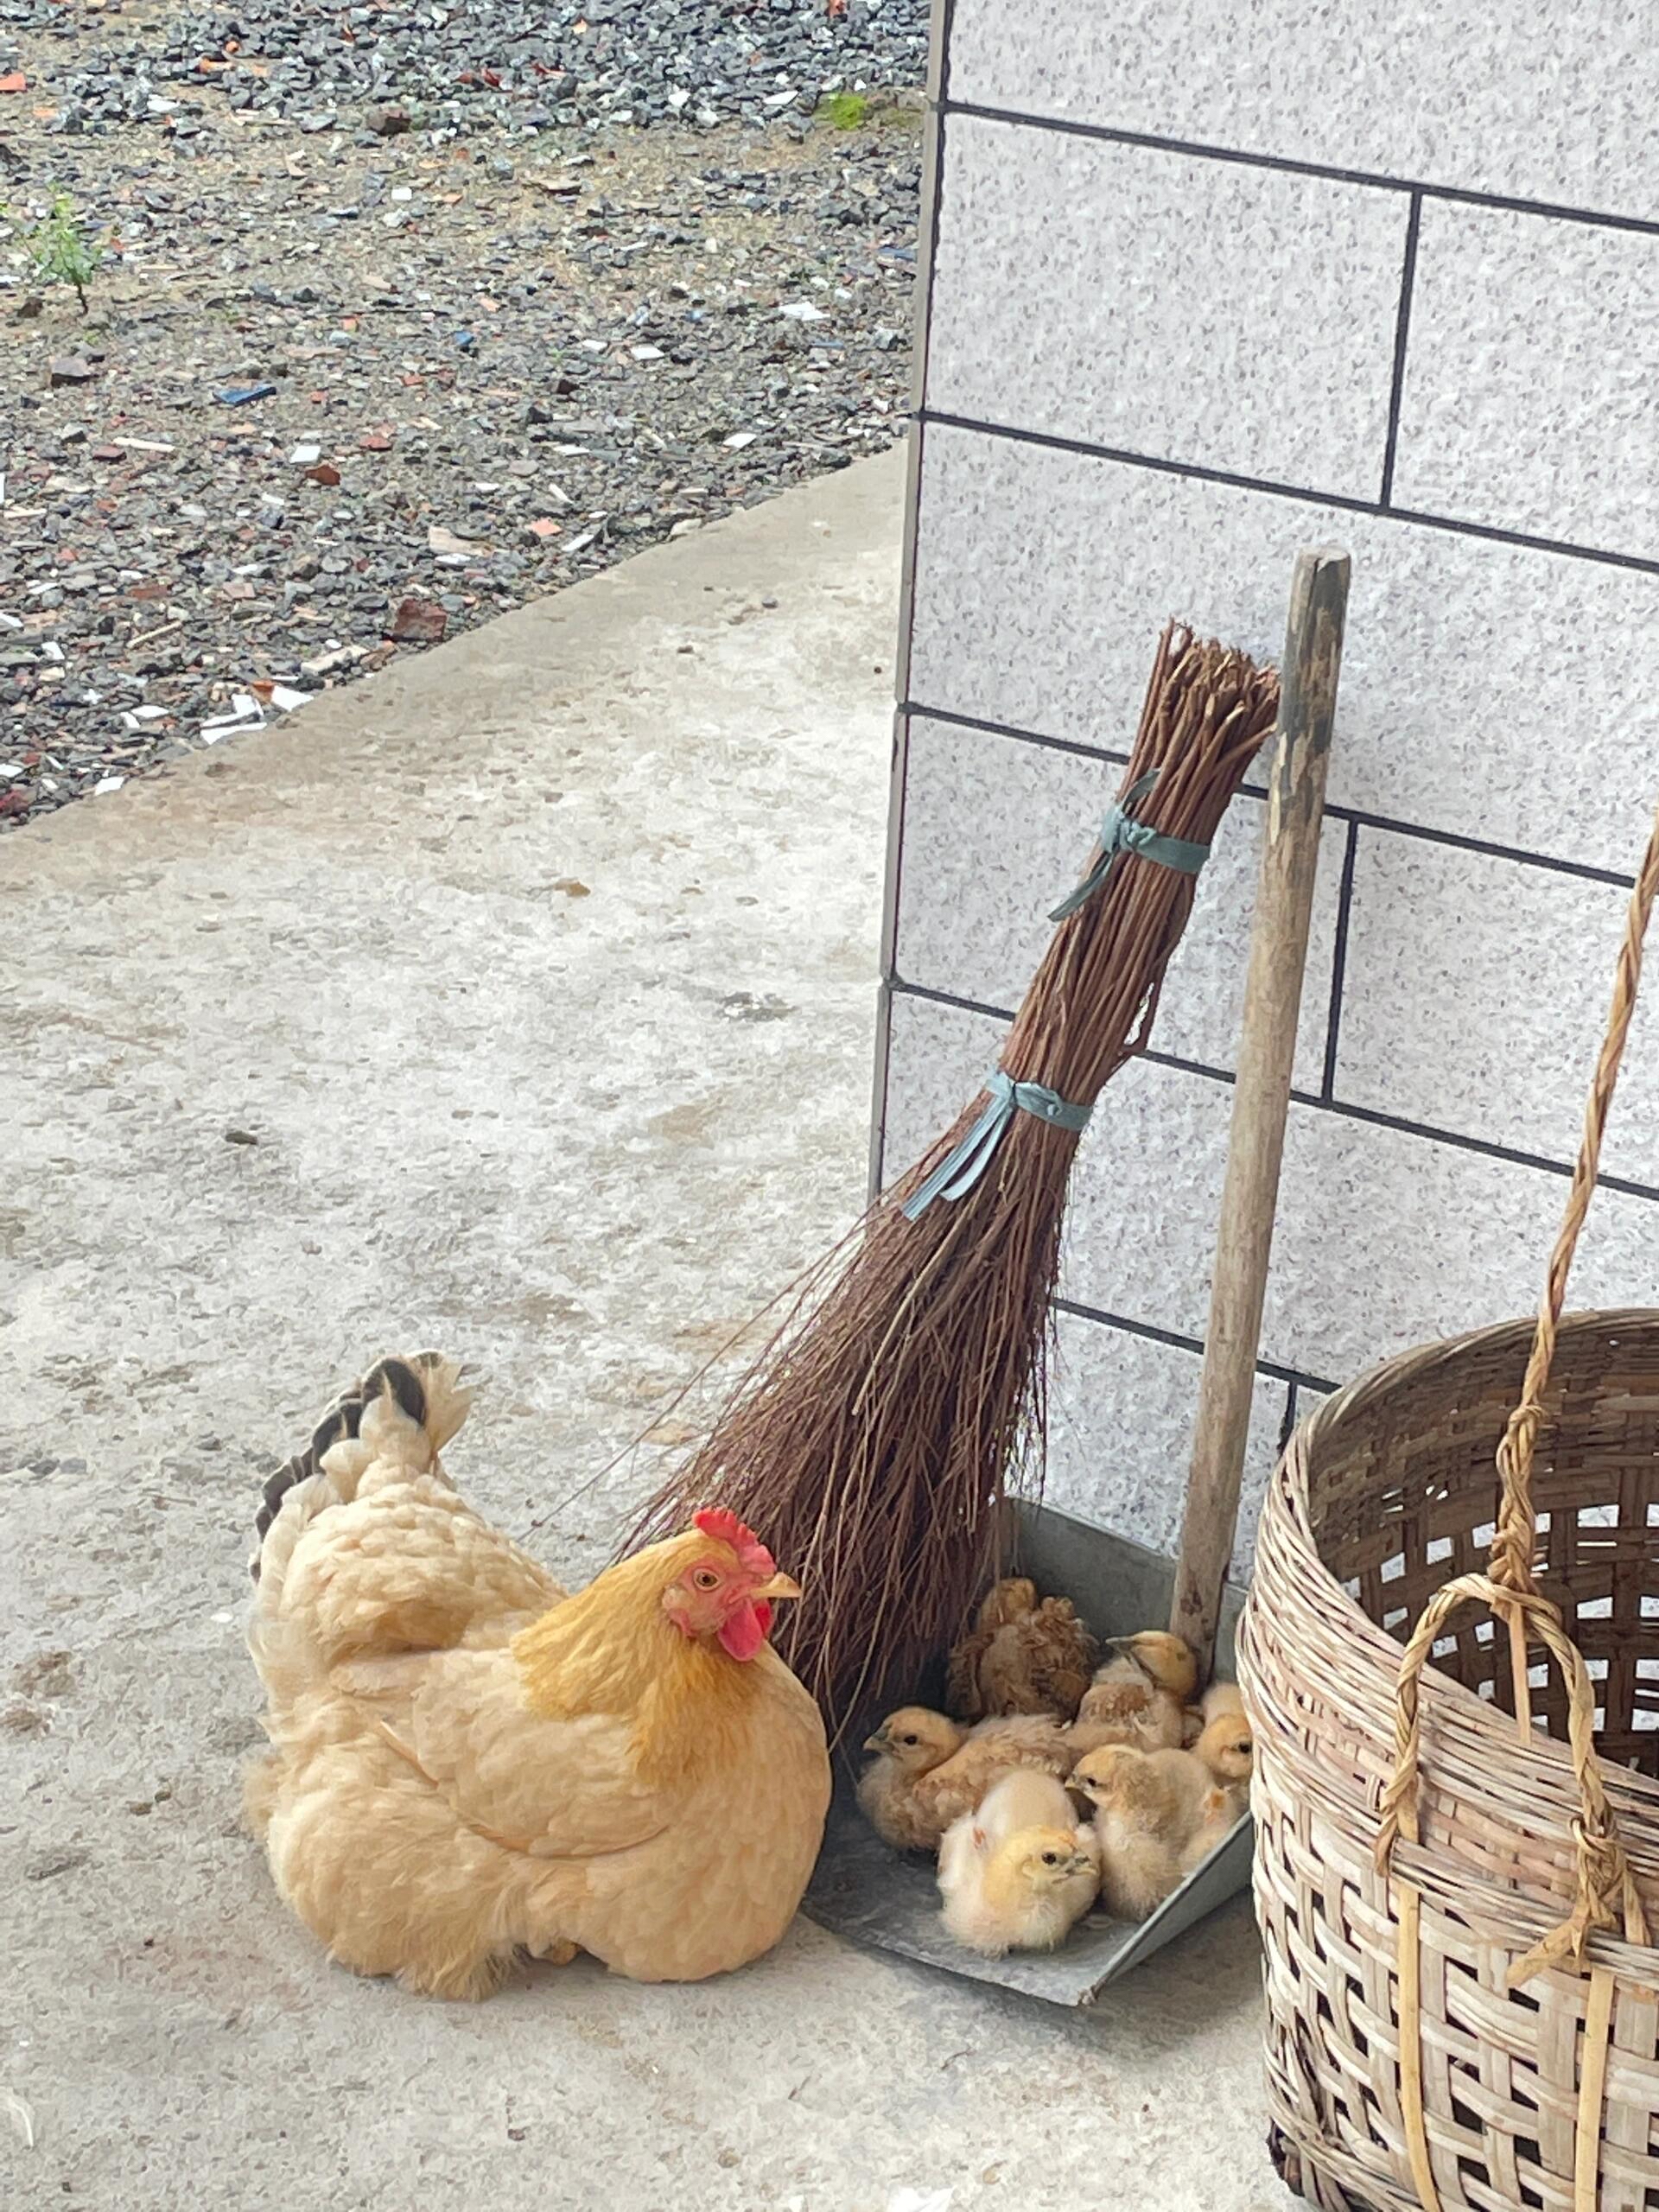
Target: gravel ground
x,y
499,334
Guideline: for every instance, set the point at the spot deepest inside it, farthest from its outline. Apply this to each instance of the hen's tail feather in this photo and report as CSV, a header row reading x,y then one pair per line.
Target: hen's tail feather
x,y
426,1388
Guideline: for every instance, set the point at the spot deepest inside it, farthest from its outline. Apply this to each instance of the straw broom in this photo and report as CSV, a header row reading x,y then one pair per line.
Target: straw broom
x,y
875,1438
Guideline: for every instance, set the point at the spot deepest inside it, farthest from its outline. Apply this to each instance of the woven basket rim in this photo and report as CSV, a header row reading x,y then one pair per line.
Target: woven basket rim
x,y
1291,1478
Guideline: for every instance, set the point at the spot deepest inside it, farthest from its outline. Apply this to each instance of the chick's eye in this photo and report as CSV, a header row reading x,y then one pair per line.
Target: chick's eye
x,y
706,1578
1051,1859
910,1740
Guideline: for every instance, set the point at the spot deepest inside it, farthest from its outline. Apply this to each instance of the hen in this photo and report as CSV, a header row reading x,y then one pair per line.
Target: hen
x,y
1023,1655
466,1763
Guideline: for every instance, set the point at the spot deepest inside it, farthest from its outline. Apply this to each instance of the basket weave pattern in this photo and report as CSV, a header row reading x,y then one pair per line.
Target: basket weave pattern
x,y
1451,1657
1385,1492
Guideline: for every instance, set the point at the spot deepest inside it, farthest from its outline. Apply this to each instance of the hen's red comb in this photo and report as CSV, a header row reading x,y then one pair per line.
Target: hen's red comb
x,y
723,1525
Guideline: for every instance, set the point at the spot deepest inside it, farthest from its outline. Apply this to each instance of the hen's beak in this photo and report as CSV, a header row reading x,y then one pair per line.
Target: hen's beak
x,y
781,1586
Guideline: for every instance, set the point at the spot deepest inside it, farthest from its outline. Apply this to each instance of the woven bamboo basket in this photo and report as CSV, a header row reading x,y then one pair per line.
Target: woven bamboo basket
x,y
1457,1819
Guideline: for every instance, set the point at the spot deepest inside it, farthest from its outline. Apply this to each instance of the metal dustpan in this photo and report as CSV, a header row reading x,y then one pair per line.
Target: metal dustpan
x,y
863,1890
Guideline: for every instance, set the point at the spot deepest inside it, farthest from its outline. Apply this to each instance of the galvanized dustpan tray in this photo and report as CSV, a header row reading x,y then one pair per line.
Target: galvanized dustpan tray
x,y
890,1899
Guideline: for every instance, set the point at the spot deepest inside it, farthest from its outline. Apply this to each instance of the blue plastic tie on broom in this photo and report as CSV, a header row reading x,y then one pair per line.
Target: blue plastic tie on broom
x,y
1121,833
967,1159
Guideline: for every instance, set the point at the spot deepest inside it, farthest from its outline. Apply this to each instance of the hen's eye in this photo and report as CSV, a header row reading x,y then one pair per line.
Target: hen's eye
x,y
706,1578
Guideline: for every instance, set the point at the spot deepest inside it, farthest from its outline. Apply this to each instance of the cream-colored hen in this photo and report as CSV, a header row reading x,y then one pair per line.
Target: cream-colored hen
x,y
465,1763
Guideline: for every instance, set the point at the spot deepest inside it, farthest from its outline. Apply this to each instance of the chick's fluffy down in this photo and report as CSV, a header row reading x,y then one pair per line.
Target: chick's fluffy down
x,y
1018,1872
1023,1655
927,1771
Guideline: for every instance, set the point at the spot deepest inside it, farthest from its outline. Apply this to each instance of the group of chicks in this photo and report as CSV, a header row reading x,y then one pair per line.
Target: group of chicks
x,y
1045,1722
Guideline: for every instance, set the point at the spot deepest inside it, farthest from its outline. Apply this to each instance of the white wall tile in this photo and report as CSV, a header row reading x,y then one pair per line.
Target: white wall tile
x,y
1534,103
1488,690
996,831
1385,1241
1117,317
1476,997
1120,1435
1531,396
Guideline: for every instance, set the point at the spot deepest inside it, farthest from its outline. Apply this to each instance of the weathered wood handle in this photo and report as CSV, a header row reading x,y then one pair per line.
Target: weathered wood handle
x,y
1267,1051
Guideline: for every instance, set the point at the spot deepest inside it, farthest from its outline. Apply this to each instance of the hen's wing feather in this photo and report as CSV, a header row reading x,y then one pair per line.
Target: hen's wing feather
x,y
554,1788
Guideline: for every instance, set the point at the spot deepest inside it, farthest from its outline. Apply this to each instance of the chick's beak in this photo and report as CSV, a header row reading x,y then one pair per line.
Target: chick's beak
x,y
878,1742
781,1586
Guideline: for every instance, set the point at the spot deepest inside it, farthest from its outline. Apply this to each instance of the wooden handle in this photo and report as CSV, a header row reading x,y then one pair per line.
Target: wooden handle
x,y
1273,999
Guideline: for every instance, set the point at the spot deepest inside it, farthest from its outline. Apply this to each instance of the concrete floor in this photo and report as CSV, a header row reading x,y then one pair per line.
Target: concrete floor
x,y
541,973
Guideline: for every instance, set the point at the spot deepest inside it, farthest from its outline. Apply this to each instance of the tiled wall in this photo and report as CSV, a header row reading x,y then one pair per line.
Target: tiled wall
x,y
1209,283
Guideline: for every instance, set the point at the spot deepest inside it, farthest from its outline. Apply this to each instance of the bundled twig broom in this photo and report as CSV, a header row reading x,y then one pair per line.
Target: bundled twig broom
x,y
873,1441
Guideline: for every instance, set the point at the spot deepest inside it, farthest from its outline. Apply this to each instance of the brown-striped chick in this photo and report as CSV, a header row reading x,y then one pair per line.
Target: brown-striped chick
x,y
1024,1654
928,1771
1018,1873
1139,1696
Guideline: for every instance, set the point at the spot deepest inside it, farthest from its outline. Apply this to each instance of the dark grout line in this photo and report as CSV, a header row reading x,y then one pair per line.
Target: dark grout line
x,y
1461,194
1345,503
1150,1334
1371,1116
1482,1147
1401,337
1198,472
1553,866
1338,963
903,989
1288,1425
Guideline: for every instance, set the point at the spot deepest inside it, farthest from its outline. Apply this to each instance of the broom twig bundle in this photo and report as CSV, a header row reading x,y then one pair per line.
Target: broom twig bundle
x,y
873,1442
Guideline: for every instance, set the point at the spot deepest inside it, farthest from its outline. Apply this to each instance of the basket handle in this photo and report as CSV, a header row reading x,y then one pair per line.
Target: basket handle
x,y
1603,1873
1515,1536
1511,1588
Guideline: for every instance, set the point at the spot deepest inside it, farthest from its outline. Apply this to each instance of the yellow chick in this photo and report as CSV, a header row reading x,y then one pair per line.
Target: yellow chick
x,y
1139,1697
1227,1752
1018,1873
1143,1817
1227,1747
927,1771
1221,1697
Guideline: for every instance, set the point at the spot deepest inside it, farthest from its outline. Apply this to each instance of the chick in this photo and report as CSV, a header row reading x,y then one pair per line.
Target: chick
x,y
1023,1655
1221,1697
1227,1747
928,1771
1139,1697
1018,1873
1226,1750
1143,1821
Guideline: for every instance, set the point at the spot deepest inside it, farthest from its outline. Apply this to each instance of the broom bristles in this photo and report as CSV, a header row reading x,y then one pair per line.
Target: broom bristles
x,y
875,1440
